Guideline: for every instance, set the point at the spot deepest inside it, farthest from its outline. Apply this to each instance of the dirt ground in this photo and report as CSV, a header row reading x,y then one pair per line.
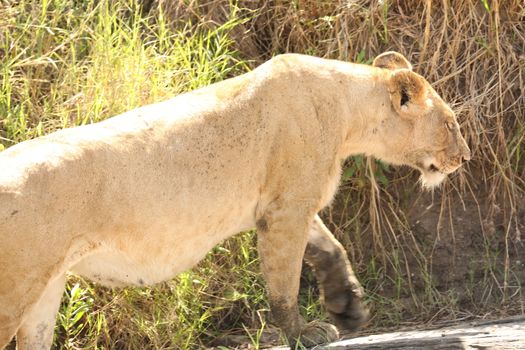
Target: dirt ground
x,y
461,246
468,247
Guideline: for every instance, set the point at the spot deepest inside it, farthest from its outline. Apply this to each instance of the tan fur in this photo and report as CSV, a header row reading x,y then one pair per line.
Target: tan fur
x,y
391,60
140,197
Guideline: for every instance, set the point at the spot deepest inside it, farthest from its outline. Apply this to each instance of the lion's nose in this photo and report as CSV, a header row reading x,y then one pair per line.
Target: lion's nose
x,y
465,156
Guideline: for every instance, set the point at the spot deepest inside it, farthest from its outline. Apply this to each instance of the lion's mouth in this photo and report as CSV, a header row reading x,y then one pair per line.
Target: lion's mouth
x,y
431,174
428,167
433,168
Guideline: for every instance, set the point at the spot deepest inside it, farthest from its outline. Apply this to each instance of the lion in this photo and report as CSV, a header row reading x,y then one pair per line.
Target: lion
x,y
140,197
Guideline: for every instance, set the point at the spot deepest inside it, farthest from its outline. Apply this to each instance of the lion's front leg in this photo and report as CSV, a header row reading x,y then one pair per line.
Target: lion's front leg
x,y
340,289
282,238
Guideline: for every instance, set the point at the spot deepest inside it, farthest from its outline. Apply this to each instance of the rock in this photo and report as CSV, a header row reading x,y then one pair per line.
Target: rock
x,y
507,333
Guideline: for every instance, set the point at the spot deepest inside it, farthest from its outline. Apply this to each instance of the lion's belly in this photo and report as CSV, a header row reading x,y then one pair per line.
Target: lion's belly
x,y
118,268
145,256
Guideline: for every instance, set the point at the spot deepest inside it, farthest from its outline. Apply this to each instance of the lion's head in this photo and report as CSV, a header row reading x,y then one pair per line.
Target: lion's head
x,y
427,127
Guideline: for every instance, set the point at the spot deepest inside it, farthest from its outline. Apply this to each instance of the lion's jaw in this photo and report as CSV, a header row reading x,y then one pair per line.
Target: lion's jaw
x,y
431,175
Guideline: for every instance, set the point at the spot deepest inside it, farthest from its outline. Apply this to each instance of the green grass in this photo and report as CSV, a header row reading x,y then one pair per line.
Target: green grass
x,y
65,65
184,313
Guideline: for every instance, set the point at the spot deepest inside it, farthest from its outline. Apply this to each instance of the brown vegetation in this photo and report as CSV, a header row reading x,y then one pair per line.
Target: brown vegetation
x,y
455,253
467,236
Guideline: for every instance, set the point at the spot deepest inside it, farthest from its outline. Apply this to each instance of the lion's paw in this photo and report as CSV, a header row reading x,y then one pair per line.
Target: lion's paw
x,y
315,333
347,311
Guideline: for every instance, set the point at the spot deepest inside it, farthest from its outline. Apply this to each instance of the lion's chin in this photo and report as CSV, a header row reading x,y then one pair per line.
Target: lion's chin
x,y
431,179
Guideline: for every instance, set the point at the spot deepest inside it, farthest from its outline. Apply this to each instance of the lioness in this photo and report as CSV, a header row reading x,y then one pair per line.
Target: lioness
x,y
140,197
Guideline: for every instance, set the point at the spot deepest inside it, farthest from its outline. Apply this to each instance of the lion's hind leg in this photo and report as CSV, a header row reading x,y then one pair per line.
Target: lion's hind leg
x,y
16,295
25,305
37,329
341,290
8,326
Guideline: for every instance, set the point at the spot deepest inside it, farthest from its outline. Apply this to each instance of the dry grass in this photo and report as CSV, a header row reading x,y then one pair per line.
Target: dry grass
x,y
474,54
455,253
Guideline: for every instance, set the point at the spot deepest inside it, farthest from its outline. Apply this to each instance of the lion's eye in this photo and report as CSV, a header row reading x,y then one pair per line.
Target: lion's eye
x,y
450,126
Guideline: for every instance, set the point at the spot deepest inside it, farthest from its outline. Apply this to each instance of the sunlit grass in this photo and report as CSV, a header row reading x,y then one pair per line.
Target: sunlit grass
x,y
67,64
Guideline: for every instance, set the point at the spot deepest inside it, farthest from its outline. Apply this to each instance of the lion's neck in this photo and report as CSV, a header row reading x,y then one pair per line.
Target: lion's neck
x,y
367,124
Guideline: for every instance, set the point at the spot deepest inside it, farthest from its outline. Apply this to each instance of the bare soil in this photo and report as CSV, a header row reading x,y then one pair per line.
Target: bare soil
x,y
468,248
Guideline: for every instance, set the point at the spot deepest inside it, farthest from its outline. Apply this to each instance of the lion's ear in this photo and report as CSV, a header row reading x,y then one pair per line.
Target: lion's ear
x,y
408,93
392,60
